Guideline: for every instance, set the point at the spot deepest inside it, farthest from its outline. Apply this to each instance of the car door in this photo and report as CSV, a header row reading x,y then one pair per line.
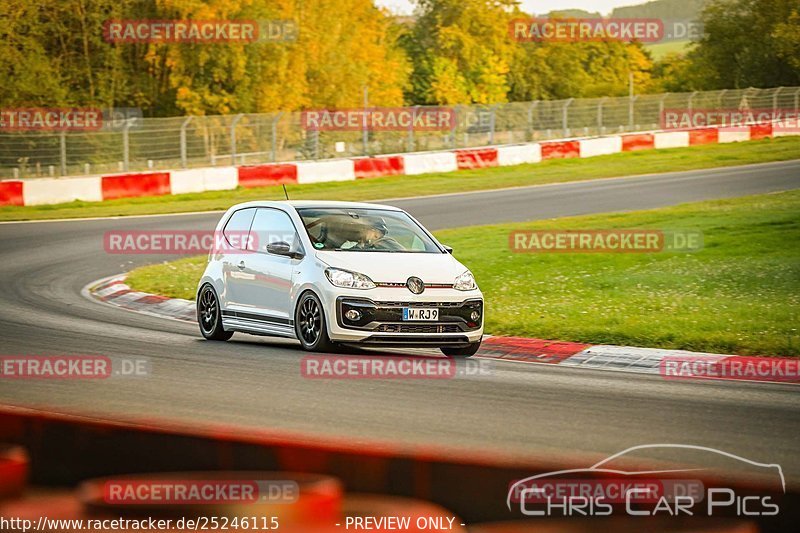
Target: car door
x,y
270,277
233,261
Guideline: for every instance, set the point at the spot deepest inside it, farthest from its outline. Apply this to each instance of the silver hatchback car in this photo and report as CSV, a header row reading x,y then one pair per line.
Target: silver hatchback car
x,y
331,273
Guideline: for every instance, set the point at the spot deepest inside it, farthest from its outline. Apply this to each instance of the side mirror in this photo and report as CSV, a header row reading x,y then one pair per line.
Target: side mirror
x,y
448,249
283,248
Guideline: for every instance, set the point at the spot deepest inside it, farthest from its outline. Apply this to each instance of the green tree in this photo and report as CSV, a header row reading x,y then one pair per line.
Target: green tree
x,y
553,70
749,43
461,51
53,53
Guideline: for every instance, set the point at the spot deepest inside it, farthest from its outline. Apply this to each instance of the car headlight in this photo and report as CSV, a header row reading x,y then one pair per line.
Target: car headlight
x,y
465,282
348,280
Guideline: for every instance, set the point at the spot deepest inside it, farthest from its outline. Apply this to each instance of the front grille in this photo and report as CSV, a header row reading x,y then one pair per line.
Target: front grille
x,y
419,304
387,317
401,285
418,328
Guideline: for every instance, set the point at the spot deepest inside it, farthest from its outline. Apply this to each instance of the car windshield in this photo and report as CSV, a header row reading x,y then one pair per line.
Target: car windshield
x,y
365,230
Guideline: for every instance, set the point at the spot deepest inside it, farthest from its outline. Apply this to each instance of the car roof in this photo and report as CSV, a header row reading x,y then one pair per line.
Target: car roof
x,y
298,204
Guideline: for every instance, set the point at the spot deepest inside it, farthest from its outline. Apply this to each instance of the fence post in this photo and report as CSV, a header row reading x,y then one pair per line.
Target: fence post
x,y
661,108
775,101
722,94
410,138
63,143
690,102
453,140
275,137
235,120
364,126
531,109
185,124
600,128
797,100
565,117
126,146
492,119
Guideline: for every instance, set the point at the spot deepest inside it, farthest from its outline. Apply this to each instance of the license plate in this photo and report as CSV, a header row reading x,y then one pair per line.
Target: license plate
x,y
414,313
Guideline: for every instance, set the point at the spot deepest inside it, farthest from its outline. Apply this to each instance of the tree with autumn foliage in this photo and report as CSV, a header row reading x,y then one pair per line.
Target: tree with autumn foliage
x,y
461,51
342,46
53,53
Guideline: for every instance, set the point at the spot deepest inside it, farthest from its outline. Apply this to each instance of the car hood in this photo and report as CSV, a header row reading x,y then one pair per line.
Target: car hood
x,y
396,267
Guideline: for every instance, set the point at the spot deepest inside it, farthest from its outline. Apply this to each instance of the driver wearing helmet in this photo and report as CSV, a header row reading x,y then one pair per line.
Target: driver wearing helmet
x,y
375,237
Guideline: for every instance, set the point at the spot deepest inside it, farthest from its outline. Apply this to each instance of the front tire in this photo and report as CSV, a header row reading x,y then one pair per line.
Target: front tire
x,y
209,316
466,351
310,326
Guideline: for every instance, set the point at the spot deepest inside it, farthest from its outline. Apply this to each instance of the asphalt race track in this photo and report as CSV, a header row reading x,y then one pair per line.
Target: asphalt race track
x,y
528,410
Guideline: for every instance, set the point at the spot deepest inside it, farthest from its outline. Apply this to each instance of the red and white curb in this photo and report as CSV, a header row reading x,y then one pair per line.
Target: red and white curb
x,y
669,364
114,291
602,357
42,191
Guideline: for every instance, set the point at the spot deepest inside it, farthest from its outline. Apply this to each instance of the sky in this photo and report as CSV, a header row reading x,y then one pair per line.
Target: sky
x,y
405,7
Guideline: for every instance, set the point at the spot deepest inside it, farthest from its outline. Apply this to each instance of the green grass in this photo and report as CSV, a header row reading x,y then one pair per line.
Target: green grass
x,y
552,171
176,279
660,50
739,294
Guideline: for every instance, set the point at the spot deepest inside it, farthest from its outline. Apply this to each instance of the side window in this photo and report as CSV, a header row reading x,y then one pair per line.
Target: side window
x,y
237,227
272,225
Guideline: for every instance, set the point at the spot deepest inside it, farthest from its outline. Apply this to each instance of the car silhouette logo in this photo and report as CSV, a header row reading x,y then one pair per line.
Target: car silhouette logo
x,y
415,285
602,467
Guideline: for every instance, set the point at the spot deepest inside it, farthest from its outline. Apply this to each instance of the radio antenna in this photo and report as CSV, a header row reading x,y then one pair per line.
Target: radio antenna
x,y
284,191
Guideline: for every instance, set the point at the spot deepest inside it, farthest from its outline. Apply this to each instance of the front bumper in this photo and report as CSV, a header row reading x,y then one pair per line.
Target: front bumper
x,y
381,320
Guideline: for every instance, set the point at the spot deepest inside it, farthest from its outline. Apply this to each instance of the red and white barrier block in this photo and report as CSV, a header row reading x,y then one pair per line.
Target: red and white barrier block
x,y
476,158
374,167
428,162
204,179
43,191
638,141
519,154
601,146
